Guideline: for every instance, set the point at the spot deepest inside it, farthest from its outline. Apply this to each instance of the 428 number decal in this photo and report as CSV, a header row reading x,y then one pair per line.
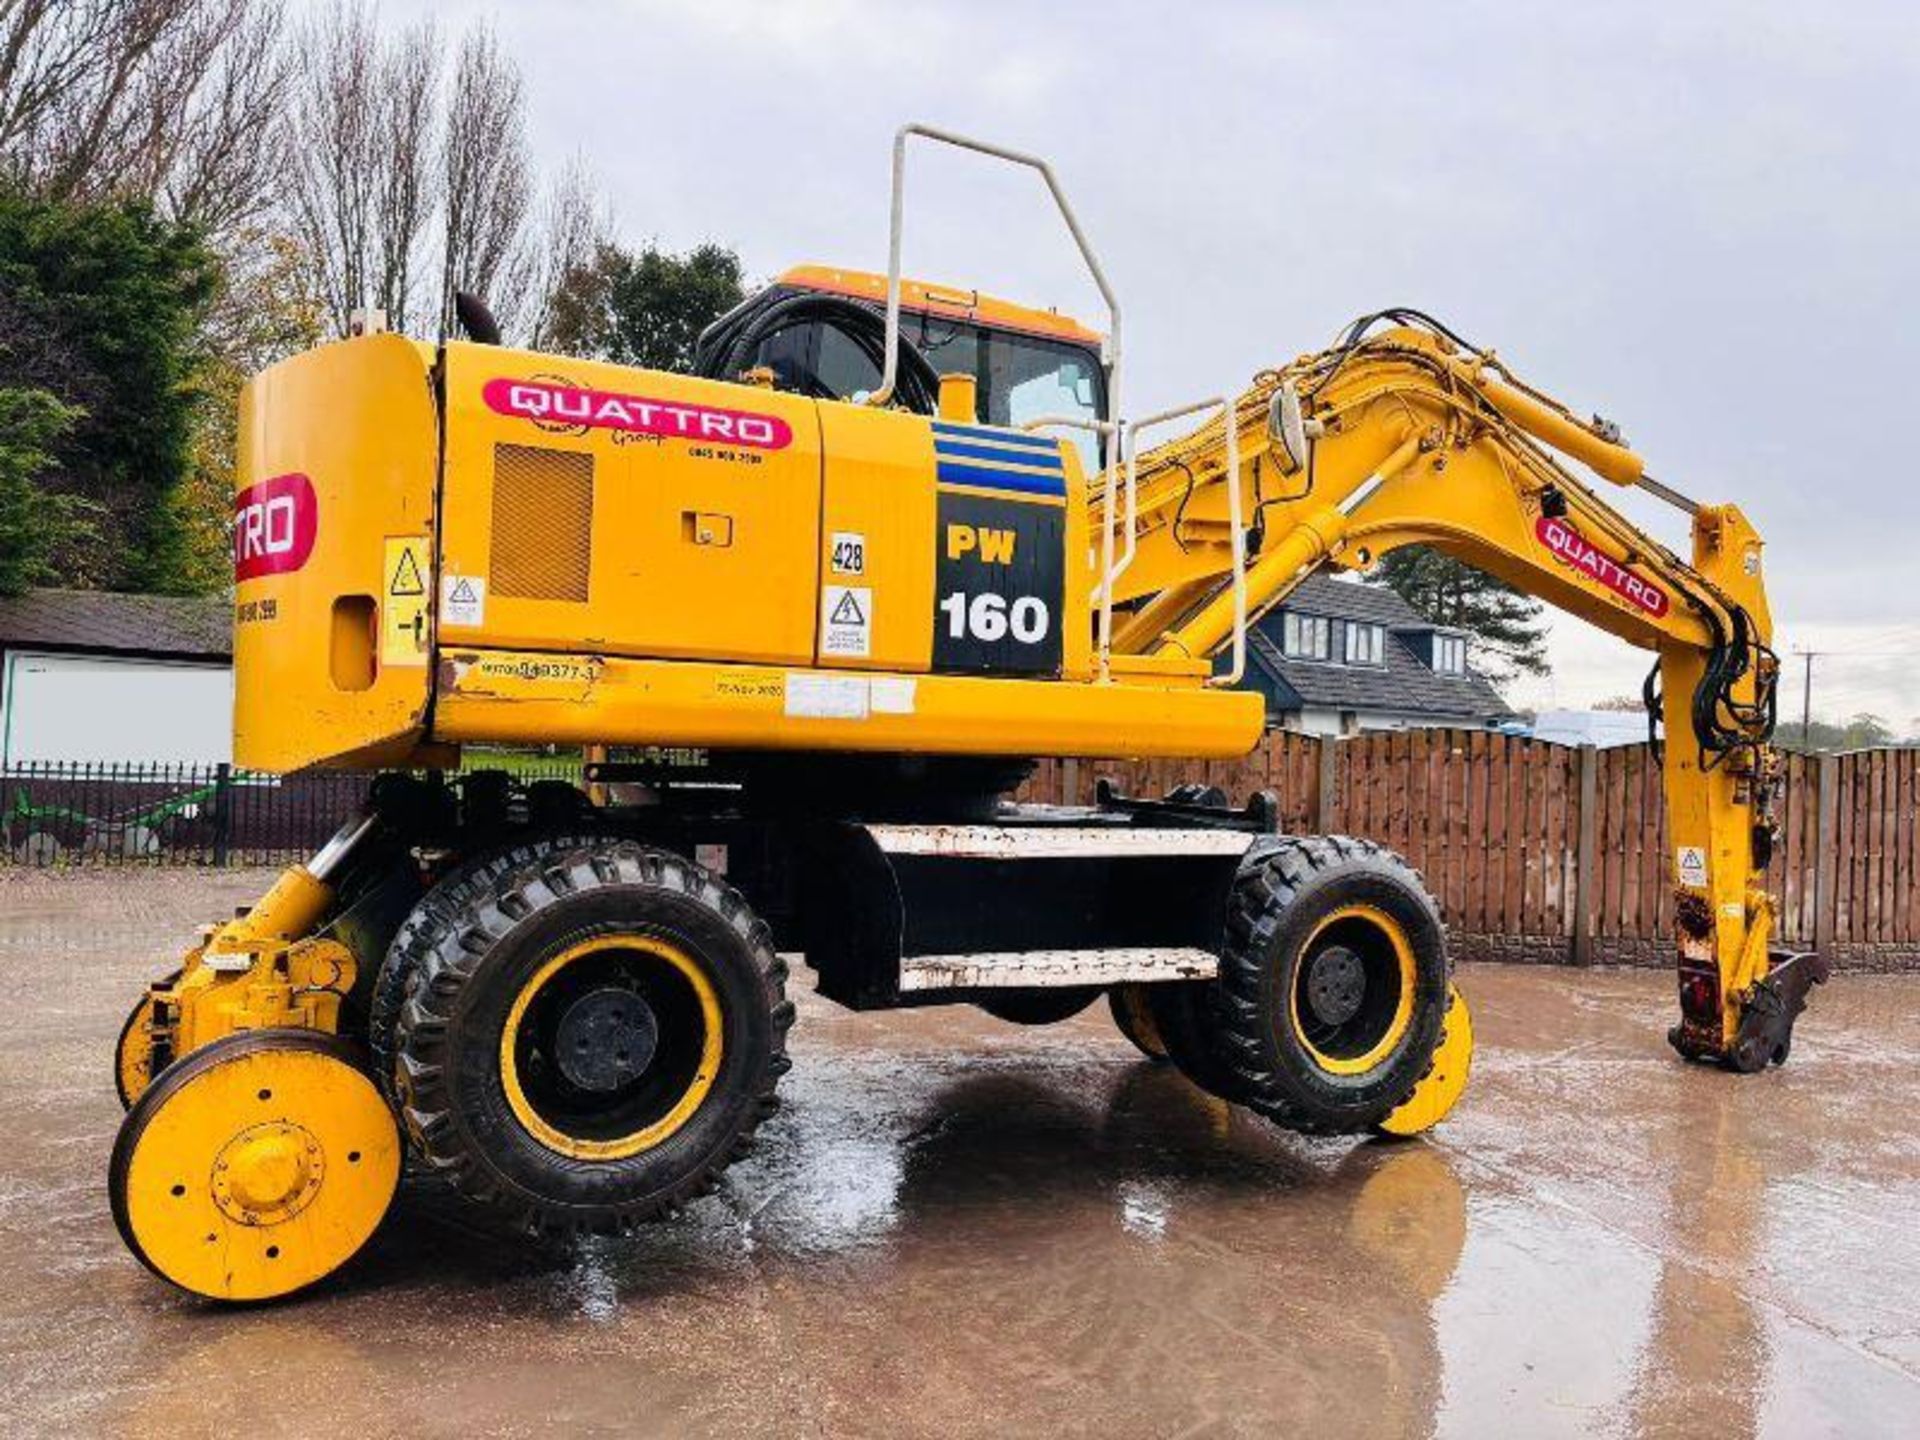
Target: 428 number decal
x,y
991,618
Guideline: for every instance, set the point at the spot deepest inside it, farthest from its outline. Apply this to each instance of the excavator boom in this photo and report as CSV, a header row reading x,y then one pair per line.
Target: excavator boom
x,y
1411,436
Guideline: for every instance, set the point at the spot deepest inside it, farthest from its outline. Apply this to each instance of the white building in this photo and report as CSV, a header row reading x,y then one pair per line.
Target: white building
x,y
87,676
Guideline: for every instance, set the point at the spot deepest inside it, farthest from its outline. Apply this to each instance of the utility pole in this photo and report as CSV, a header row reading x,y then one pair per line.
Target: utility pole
x,y
1806,702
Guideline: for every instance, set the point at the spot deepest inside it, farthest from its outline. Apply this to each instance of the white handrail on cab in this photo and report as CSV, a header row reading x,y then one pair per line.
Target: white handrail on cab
x,y
1230,420
890,375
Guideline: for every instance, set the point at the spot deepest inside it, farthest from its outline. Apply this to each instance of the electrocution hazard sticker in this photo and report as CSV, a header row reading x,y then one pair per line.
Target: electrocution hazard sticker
x,y
403,608
1691,862
463,600
846,620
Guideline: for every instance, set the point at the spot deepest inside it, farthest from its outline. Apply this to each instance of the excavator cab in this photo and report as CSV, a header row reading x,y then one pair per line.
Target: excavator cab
x,y
1025,363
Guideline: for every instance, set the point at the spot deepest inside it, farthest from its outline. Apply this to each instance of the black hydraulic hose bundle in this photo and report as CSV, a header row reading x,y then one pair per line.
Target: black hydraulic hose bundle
x,y
726,348
1722,724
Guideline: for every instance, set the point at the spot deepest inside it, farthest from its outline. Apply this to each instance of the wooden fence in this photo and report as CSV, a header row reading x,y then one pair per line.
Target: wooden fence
x,y
1547,852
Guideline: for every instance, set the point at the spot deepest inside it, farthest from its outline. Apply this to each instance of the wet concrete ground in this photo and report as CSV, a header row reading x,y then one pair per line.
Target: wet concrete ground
x,y
957,1227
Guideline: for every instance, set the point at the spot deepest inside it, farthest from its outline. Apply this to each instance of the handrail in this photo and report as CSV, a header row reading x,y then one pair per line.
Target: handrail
x,y
896,224
1230,420
1103,592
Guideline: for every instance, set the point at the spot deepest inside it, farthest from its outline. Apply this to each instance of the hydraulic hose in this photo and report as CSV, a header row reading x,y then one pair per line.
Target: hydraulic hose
x,y
727,347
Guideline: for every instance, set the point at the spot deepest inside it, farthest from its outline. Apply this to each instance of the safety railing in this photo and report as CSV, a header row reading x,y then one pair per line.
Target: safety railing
x,y
1130,444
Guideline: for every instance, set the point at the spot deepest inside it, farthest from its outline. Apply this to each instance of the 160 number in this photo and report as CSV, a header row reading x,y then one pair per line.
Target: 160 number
x,y
991,618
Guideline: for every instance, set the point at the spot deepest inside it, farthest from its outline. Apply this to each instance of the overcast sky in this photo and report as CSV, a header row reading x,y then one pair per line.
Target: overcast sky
x,y
1701,219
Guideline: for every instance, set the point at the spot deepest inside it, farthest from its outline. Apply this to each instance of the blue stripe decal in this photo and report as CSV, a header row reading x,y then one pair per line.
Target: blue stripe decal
x,y
1024,481
946,449
997,437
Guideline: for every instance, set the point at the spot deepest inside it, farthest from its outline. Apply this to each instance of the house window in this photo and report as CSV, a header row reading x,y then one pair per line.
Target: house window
x,y
1306,637
1450,654
1366,644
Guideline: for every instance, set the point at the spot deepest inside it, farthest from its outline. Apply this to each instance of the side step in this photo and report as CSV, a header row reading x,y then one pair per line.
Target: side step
x,y
1028,969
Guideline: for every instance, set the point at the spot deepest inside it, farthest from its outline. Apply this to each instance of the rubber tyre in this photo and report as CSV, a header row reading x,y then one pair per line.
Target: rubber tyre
x,y
1038,1005
1132,1017
470,879
1182,1015
477,955
1285,890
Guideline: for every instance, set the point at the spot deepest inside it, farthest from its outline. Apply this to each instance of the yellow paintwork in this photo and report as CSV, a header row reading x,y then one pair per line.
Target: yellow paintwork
x,y
646,1138
526,697
1402,1017
262,970
264,1172
943,301
357,419
696,570
1442,1086
709,555
1463,457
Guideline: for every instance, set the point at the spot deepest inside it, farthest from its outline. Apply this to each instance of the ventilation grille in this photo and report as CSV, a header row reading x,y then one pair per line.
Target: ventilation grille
x,y
542,523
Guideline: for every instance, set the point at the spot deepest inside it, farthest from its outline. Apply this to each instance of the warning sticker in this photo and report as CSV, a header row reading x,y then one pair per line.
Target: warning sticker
x,y
1690,862
403,609
848,554
463,600
846,626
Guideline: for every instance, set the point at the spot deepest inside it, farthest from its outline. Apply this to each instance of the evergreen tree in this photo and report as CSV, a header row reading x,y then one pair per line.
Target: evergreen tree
x,y
645,308
1446,591
33,525
101,305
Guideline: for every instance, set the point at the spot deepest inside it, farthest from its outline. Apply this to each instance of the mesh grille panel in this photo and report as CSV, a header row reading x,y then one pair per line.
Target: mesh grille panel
x,y
542,523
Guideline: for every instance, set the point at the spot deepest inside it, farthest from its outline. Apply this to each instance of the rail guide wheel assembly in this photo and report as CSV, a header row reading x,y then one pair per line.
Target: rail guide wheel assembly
x,y
255,1166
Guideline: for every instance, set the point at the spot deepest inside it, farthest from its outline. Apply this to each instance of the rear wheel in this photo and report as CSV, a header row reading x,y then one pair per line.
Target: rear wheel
x,y
424,927
590,1039
1333,984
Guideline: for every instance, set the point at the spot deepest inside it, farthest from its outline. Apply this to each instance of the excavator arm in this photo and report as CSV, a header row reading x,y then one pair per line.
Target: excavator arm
x,y
1403,434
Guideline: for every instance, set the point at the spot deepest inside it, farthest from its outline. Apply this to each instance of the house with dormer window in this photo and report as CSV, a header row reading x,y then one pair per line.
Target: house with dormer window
x,y
1338,657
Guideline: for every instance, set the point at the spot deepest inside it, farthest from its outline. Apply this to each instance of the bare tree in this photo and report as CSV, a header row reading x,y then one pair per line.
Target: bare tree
x,y
486,178
363,139
404,201
168,99
572,225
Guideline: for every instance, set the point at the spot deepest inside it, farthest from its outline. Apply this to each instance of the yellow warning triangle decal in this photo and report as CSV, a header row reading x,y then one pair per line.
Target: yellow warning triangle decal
x,y
406,576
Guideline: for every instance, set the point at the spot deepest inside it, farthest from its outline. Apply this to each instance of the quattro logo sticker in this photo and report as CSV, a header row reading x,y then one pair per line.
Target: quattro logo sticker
x,y
1576,550
547,403
274,525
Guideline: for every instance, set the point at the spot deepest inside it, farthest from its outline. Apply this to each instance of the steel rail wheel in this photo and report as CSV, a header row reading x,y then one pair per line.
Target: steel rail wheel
x,y
255,1166
1133,1017
1445,1082
1328,1009
133,1051
590,1039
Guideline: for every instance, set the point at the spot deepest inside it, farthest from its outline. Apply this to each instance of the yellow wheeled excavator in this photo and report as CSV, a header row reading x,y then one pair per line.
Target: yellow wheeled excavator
x,y
889,543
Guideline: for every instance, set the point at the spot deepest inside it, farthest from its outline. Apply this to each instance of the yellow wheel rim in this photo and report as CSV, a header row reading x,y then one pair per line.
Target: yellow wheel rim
x,y
255,1167
699,1084
1372,946
1441,1087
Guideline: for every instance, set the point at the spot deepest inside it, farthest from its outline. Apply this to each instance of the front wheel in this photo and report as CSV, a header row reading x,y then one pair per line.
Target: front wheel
x,y
590,1039
1333,984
